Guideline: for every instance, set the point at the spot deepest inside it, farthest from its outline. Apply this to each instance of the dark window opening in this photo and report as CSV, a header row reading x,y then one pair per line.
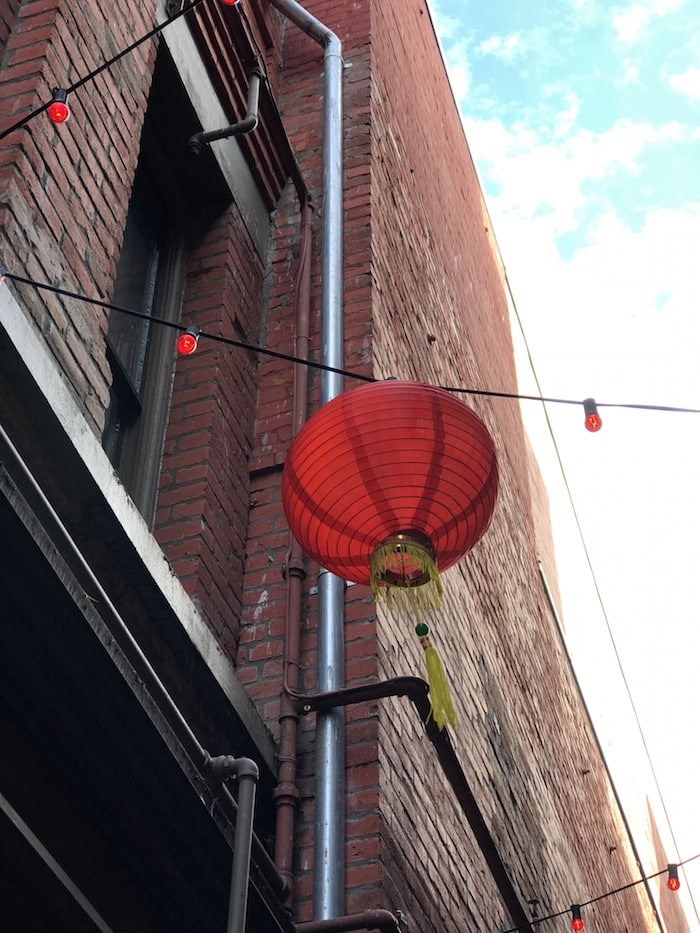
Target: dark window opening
x,y
150,279
171,191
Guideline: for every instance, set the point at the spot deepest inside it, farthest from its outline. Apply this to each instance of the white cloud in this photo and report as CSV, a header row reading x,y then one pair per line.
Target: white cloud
x,y
565,121
446,27
542,176
504,47
686,82
630,22
630,74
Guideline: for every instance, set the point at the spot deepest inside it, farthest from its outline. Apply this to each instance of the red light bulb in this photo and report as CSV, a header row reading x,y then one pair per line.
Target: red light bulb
x,y
58,110
674,882
593,420
577,922
593,423
187,341
229,2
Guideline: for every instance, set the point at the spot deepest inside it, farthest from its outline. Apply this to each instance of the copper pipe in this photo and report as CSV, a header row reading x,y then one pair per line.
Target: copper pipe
x,y
287,793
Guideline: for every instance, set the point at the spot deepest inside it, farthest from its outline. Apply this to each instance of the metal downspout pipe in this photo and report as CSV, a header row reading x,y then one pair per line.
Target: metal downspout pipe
x,y
329,855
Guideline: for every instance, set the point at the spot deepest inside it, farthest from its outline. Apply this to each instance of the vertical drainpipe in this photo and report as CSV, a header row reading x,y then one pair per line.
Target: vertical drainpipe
x,y
329,834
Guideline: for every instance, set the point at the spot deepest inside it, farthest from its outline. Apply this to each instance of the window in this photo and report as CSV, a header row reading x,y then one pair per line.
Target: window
x,y
150,278
171,190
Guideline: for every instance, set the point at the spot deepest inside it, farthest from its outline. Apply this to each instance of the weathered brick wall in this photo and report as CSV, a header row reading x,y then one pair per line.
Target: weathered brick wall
x,y
64,190
64,194
203,500
8,11
440,315
425,299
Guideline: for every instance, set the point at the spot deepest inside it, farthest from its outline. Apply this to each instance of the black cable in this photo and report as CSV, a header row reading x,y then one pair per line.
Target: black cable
x,y
306,362
276,354
600,897
229,341
103,67
594,579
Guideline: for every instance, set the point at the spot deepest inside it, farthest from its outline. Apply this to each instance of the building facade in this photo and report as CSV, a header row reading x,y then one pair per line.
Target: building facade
x,y
160,625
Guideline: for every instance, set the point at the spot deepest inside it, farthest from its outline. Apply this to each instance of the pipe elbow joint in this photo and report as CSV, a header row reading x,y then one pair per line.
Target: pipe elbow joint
x,y
223,767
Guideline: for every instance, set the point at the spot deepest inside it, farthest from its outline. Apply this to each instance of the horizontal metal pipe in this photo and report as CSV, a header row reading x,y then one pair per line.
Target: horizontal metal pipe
x,y
382,920
417,689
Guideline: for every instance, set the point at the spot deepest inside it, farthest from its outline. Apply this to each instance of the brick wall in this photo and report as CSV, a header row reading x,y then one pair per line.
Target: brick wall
x,y
64,190
8,11
424,298
203,499
440,314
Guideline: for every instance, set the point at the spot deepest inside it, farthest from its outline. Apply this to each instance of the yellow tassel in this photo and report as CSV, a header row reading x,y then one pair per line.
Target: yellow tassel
x,y
441,707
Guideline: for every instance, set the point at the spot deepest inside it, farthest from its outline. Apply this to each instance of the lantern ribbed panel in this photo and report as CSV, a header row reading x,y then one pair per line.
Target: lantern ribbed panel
x,y
384,459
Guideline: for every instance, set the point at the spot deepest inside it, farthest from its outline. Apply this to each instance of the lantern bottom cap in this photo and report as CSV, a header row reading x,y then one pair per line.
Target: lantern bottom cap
x,y
403,572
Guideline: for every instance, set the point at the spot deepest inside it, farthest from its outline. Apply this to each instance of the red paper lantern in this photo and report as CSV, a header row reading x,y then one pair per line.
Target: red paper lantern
x,y
390,483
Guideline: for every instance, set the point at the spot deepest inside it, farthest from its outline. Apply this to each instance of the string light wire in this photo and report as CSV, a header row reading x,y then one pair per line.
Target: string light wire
x,y
313,364
109,306
288,357
229,341
599,897
594,578
4,274
103,67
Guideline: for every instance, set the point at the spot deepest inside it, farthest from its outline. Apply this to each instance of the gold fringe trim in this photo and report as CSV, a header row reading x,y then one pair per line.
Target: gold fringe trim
x,y
404,576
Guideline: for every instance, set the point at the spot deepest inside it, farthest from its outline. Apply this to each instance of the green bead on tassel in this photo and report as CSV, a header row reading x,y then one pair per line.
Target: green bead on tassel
x,y
441,707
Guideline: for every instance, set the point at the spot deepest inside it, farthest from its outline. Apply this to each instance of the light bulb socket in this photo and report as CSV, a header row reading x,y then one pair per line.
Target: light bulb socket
x,y
59,109
576,921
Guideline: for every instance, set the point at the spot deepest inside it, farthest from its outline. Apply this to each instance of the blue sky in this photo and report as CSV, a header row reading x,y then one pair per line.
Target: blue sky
x,y
583,119
577,71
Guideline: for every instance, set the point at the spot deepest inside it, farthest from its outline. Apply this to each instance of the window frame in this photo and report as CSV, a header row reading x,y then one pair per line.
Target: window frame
x,y
137,417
